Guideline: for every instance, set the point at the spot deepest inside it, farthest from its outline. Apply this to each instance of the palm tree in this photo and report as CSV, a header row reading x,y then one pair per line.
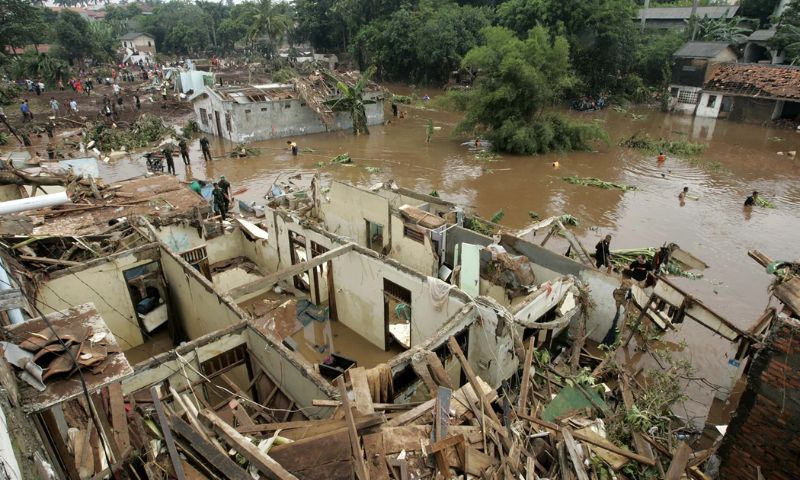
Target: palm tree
x,y
352,100
788,39
270,20
724,30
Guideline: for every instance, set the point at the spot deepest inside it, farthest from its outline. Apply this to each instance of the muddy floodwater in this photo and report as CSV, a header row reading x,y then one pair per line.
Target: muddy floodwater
x,y
739,159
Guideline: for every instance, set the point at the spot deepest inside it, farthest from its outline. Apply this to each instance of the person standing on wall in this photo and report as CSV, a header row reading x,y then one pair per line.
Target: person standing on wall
x,y
168,157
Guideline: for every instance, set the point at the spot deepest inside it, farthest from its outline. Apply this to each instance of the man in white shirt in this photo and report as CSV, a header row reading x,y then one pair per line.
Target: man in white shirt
x,y
73,105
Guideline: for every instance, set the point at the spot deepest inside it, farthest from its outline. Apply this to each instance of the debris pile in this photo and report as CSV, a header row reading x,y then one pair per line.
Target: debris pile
x,y
596,182
639,141
145,131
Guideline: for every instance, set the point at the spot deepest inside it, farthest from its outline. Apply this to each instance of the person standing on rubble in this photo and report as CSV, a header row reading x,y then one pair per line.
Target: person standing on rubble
x,y
184,151
205,148
54,106
168,157
639,268
220,201
225,186
602,253
137,102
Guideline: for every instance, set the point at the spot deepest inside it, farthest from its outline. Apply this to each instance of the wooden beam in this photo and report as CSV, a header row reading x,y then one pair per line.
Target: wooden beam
x,y
522,401
411,415
680,459
377,406
452,441
316,426
49,261
358,457
242,444
572,449
165,430
360,386
473,379
272,279
584,438
211,455
119,419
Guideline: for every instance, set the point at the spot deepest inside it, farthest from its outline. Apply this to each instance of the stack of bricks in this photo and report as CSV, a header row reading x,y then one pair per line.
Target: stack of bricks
x,y
765,431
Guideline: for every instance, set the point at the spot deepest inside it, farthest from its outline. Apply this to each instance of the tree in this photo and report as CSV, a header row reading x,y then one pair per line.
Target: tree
x,y
759,9
270,20
178,27
352,100
518,80
521,15
21,23
73,36
787,38
216,13
33,64
732,30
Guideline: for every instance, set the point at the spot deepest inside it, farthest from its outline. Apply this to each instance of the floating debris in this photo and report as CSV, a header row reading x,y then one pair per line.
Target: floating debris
x,y
372,169
763,202
141,133
498,216
342,159
596,182
639,141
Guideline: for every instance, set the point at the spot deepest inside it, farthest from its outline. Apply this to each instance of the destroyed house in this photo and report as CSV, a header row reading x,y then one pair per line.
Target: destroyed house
x,y
262,112
692,68
754,93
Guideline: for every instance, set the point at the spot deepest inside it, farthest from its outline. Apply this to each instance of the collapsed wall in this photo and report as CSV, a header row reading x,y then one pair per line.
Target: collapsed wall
x,y
765,431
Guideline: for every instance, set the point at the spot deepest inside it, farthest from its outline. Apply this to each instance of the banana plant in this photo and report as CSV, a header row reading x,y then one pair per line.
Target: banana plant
x,y
351,100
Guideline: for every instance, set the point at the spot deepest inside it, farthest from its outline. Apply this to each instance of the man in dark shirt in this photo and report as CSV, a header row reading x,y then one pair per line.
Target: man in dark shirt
x,y
639,268
206,150
602,253
168,157
220,201
184,151
225,186
751,200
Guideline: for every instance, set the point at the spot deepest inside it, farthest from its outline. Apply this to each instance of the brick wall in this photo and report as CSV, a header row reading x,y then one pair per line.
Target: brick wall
x,y
765,430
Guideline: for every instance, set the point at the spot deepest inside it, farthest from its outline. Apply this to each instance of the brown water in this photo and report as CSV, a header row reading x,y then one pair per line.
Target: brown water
x,y
714,228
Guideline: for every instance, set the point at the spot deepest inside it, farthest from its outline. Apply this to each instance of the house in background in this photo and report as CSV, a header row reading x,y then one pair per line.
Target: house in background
x,y
757,49
691,68
139,42
676,17
752,93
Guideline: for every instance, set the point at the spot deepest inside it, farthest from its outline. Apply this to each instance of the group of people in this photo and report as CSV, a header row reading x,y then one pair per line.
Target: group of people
x,y
637,270
183,149
55,106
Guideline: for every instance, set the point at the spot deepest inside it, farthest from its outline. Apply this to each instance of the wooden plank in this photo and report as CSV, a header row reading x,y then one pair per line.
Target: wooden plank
x,y
210,454
119,418
296,269
411,415
572,449
107,437
473,379
451,441
49,261
242,444
376,406
437,370
309,452
615,461
376,456
360,386
680,459
584,438
441,415
318,427
240,414
522,404
477,462
165,430
358,457
421,369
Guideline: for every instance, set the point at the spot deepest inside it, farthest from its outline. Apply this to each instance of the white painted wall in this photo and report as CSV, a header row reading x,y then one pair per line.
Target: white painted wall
x,y
349,209
411,253
703,110
103,285
358,283
267,120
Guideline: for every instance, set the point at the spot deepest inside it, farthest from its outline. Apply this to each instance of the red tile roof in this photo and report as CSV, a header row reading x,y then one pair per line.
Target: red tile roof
x,y
755,80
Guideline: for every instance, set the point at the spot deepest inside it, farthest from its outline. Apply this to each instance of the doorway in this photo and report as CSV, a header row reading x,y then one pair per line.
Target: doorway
x,y
396,314
219,124
298,253
374,236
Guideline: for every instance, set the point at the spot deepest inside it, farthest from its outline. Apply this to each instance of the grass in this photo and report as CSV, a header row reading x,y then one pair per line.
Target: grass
x,y
644,142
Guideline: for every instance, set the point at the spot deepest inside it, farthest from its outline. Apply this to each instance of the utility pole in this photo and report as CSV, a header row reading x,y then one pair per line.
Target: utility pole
x,y
693,18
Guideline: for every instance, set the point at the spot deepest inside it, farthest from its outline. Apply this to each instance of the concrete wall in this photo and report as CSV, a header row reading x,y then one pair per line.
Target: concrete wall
x,y
752,110
267,120
764,430
703,110
457,235
349,209
358,283
411,253
104,285
198,307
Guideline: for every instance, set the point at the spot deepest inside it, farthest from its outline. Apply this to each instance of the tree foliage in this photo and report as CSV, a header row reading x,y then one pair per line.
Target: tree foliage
x,y
758,9
519,80
73,36
732,30
21,23
787,37
178,27
352,100
33,64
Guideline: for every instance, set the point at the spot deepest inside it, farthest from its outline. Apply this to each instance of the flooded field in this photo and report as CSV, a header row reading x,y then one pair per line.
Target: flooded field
x,y
739,159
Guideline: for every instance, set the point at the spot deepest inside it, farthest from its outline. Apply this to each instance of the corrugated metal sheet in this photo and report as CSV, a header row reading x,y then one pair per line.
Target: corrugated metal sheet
x,y
701,49
678,13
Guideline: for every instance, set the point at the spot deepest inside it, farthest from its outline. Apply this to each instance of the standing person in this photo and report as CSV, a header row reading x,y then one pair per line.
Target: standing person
x,y
89,87
61,84
205,148
661,157
54,106
27,116
168,157
429,131
116,89
394,108
37,88
682,196
220,202
751,200
50,128
137,102
293,147
73,105
639,268
602,253
225,186
184,151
